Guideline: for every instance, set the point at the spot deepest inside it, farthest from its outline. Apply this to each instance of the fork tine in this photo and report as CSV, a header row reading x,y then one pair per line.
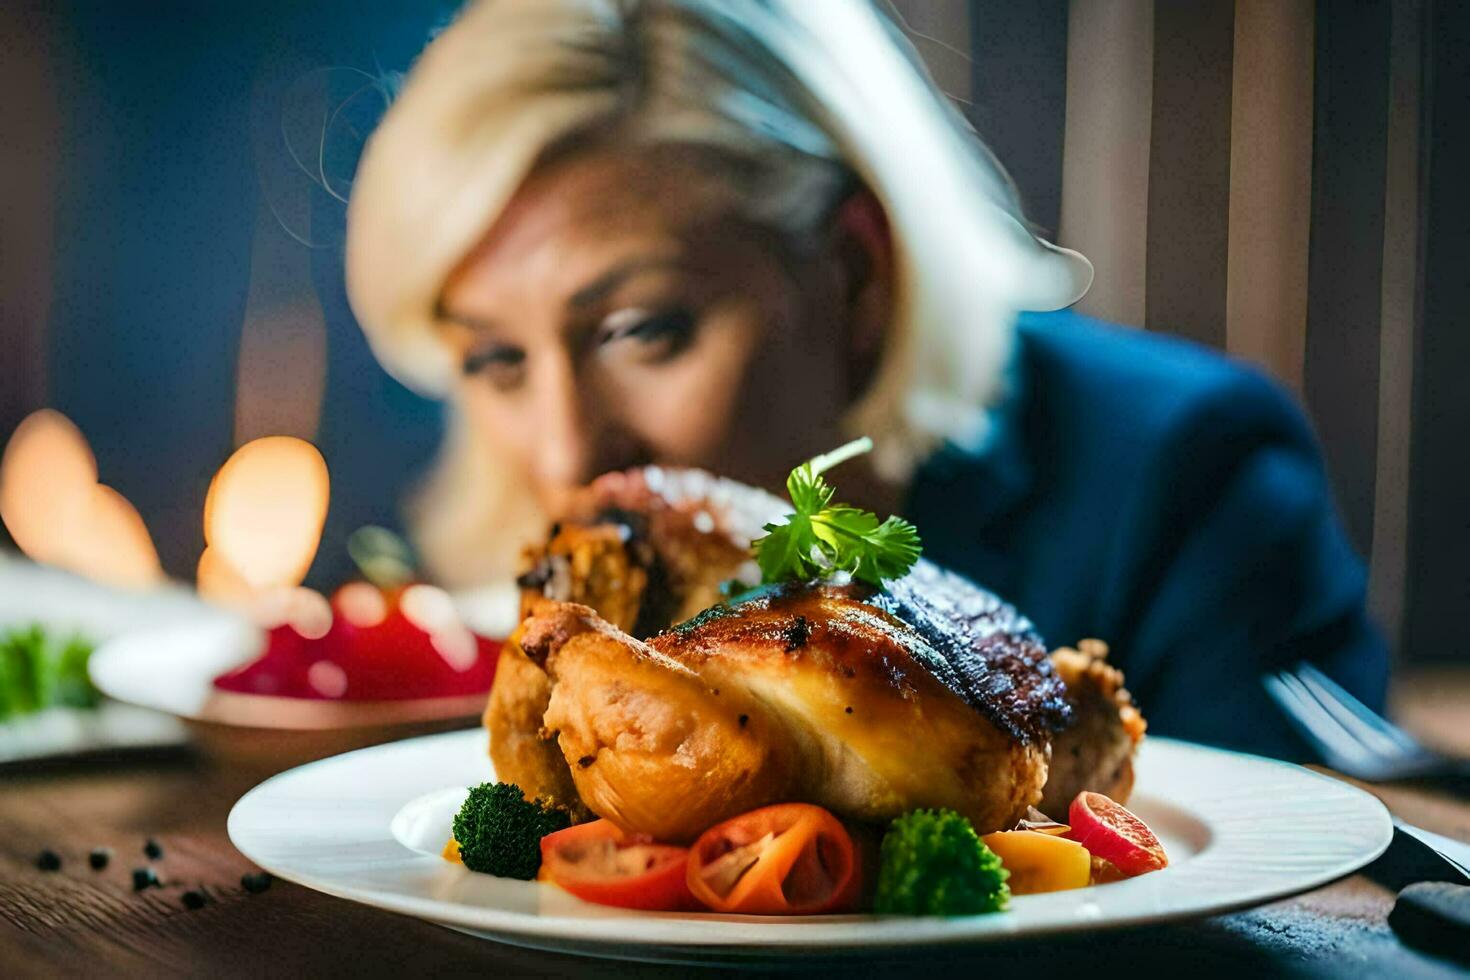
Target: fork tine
x,y
1308,719
1374,743
1338,748
1372,727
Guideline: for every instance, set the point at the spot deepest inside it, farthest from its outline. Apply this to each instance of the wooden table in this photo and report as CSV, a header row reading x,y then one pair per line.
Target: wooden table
x,y
82,922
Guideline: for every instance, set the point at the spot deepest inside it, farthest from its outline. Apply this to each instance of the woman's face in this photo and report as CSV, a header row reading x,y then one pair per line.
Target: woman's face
x,y
619,312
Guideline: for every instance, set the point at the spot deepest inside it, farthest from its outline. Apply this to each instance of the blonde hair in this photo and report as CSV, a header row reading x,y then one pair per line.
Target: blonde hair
x,y
801,93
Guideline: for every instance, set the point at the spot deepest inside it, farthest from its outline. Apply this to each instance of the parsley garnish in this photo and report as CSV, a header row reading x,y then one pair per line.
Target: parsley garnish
x,y
822,537
40,670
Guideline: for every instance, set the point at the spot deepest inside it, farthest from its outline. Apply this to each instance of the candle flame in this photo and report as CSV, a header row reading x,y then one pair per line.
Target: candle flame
x,y
59,514
218,581
112,544
263,518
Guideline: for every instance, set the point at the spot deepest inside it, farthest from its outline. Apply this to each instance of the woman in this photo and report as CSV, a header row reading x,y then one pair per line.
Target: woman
x,y
731,234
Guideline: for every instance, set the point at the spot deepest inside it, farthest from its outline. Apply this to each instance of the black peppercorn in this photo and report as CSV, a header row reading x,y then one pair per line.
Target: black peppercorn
x,y
48,860
152,850
193,900
144,878
256,882
98,858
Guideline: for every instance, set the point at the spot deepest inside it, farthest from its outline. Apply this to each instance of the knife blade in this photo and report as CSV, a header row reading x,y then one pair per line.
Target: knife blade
x,y
1453,852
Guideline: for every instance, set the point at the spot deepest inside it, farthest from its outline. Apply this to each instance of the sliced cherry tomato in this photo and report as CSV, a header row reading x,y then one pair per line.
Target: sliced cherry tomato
x,y
1110,832
786,859
1040,862
598,862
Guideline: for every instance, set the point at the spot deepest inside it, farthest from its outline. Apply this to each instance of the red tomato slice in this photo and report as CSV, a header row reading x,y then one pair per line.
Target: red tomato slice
x,y
597,862
1110,832
787,859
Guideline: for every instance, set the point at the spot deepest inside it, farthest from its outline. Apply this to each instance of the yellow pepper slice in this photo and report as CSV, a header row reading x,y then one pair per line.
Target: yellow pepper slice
x,y
1040,862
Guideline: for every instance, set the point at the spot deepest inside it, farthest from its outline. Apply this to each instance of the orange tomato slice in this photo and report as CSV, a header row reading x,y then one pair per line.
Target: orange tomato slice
x,y
786,859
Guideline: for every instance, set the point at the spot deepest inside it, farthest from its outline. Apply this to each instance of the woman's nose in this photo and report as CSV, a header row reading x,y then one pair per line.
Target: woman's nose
x,y
579,436
563,448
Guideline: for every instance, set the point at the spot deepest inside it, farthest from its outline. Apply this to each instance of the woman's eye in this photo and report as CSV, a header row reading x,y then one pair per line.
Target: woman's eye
x,y
659,335
504,367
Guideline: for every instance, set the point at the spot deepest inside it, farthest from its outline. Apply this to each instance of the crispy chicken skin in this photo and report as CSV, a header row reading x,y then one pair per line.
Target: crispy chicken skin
x,y
650,547
814,693
594,565
647,742
1096,751
645,548
523,751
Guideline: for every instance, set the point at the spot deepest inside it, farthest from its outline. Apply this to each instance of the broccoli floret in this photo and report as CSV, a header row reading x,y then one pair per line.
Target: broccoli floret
x,y
933,863
499,831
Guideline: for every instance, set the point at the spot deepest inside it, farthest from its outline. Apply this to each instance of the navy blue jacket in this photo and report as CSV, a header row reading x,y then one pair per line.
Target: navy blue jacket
x,y
1172,502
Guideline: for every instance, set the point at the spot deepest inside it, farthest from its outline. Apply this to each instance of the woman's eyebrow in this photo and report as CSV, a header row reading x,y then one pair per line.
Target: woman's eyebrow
x,y
587,295
610,280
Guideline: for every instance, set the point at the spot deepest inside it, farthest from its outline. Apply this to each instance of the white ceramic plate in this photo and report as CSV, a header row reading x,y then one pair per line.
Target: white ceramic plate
x,y
66,605
368,826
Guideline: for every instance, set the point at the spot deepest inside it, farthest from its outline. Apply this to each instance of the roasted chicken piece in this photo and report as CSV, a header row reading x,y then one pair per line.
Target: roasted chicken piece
x,y
951,701
1096,751
650,547
522,748
646,548
930,693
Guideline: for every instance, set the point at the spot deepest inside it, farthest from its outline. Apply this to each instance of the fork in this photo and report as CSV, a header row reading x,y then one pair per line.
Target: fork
x,y
1350,736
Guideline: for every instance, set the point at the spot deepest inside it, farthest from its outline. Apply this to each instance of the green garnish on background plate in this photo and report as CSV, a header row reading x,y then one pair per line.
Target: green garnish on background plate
x,y
38,671
822,537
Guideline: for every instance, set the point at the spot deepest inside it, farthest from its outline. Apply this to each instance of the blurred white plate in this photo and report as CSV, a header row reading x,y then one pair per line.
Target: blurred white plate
x,y
65,605
61,601
368,826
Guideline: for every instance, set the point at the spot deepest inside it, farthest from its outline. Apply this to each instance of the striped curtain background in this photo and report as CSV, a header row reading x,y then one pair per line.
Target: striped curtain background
x,y
1266,177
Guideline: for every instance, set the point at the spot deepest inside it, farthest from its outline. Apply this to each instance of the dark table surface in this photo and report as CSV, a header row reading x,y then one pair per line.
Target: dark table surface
x,y
81,922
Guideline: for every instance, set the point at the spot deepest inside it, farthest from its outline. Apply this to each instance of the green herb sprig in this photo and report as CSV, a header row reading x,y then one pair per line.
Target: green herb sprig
x,y
822,537
39,671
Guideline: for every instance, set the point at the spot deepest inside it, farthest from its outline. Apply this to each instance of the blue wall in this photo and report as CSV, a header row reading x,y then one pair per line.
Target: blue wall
x,y
158,196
